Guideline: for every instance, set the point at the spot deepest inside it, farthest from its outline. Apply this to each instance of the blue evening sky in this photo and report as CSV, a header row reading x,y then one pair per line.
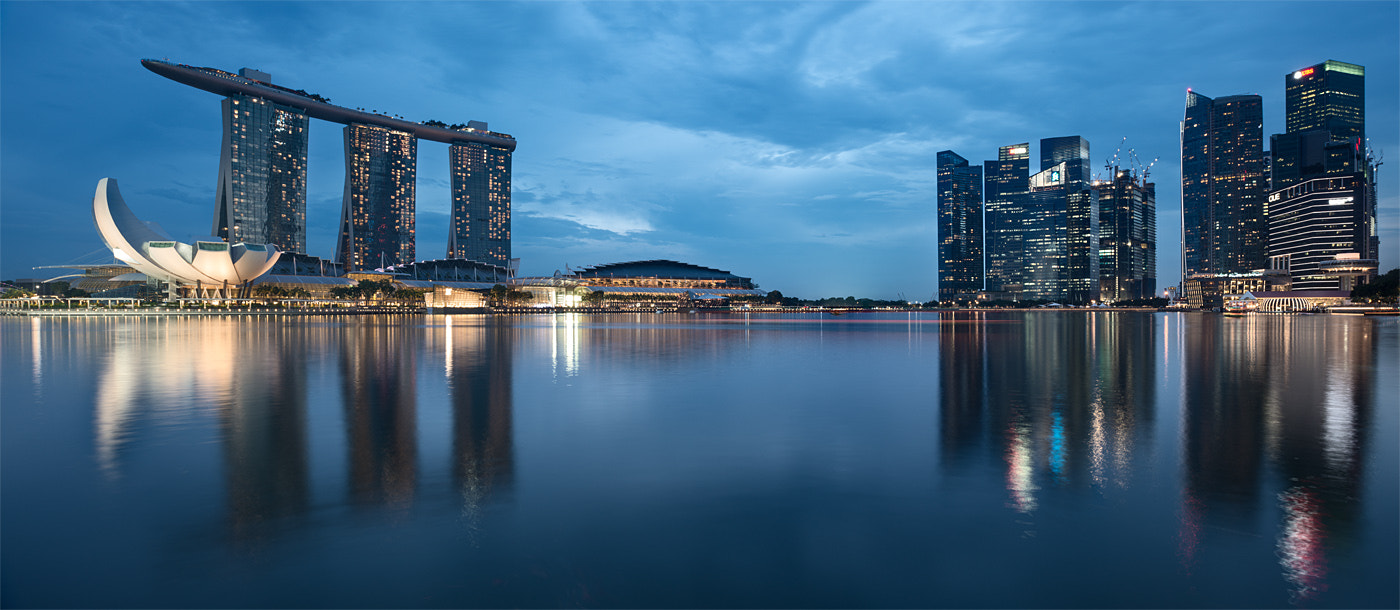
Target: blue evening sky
x,y
792,143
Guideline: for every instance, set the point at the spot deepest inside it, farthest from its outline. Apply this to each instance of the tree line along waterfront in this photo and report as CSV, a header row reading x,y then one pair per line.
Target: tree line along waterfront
x,y
388,295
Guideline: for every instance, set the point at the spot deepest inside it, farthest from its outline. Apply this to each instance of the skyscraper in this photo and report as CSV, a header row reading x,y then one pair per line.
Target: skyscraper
x,y
261,196
1319,220
1007,187
1061,225
959,226
1323,204
480,228
1222,185
377,215
262,177
1127,237
1331,96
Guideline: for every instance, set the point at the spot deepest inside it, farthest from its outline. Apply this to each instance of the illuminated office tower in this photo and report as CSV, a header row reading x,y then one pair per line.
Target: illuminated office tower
x,y
376,220
1061,226
1127,237
480,225
1325,115
1224,229
1322,207
1323,232
1330,95
261,195
959,226
1007,186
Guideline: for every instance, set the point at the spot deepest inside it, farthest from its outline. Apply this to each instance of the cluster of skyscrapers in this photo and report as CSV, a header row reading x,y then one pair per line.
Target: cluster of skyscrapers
x,y
262,174
1057,235
1301,216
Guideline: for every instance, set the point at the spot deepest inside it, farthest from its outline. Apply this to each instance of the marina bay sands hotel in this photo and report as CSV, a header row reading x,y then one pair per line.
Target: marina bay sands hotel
x,y
262,173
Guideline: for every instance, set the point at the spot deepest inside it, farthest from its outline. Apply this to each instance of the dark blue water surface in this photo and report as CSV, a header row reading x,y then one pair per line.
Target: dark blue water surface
x,y
1019,459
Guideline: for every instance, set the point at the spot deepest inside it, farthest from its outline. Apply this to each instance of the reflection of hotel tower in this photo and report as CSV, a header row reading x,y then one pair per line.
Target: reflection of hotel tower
x,y
1066,404
378,373
1254,404
479,379
265,435
262,174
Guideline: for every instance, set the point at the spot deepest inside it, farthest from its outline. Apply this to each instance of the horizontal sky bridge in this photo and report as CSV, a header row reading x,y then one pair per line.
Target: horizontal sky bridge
x,y
224,83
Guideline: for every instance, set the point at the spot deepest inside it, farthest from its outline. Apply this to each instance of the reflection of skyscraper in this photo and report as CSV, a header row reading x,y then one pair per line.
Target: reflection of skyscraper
x,y
265,436
961,384
376,220
262,174
378,373
479,378
1255,406
1222,185
480,203
1007,186
1072,420
959,226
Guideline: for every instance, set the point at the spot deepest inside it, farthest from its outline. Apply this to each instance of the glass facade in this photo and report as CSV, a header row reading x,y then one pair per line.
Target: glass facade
x,y
1127,237
377,215
959,226
1331,96
1223,185
1323,198
261,196
480,225
1315,220
1007,188
1061,226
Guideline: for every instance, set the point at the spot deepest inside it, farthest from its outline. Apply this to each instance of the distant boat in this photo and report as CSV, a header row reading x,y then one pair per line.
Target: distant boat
x,y
1240,307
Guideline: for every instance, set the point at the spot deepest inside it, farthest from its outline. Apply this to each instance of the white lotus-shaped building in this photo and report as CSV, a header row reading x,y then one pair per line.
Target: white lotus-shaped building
x,y
146,248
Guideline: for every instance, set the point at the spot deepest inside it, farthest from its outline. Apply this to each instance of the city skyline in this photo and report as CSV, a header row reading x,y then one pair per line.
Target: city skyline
x,y
797,148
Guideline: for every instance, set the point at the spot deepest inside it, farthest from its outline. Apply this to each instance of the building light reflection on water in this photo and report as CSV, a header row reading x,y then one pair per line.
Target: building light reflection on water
x,y
1020,471
1265,444
1301,544
569,331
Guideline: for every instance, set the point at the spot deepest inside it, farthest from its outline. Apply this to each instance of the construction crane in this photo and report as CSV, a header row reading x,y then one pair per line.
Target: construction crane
x,y
1112,162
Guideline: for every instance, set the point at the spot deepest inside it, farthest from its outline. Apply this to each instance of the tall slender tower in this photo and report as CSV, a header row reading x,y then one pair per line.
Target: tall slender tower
x,y
377,215
1007,187
1222,185
480,229
959,226
261,196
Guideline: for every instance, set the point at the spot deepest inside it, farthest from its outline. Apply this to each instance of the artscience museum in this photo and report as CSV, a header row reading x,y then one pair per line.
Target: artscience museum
x,y
208,268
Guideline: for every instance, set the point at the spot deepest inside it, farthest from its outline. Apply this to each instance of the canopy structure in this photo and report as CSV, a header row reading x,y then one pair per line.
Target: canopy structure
x,y
145,247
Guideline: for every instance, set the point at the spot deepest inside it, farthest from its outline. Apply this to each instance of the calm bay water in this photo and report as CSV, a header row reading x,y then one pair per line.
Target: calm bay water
x,y
1018,459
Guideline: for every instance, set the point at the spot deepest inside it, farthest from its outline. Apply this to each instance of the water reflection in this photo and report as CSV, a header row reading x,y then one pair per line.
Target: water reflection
x,y
264,427
378,374
479,380
806,445
1278,402
1067,399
